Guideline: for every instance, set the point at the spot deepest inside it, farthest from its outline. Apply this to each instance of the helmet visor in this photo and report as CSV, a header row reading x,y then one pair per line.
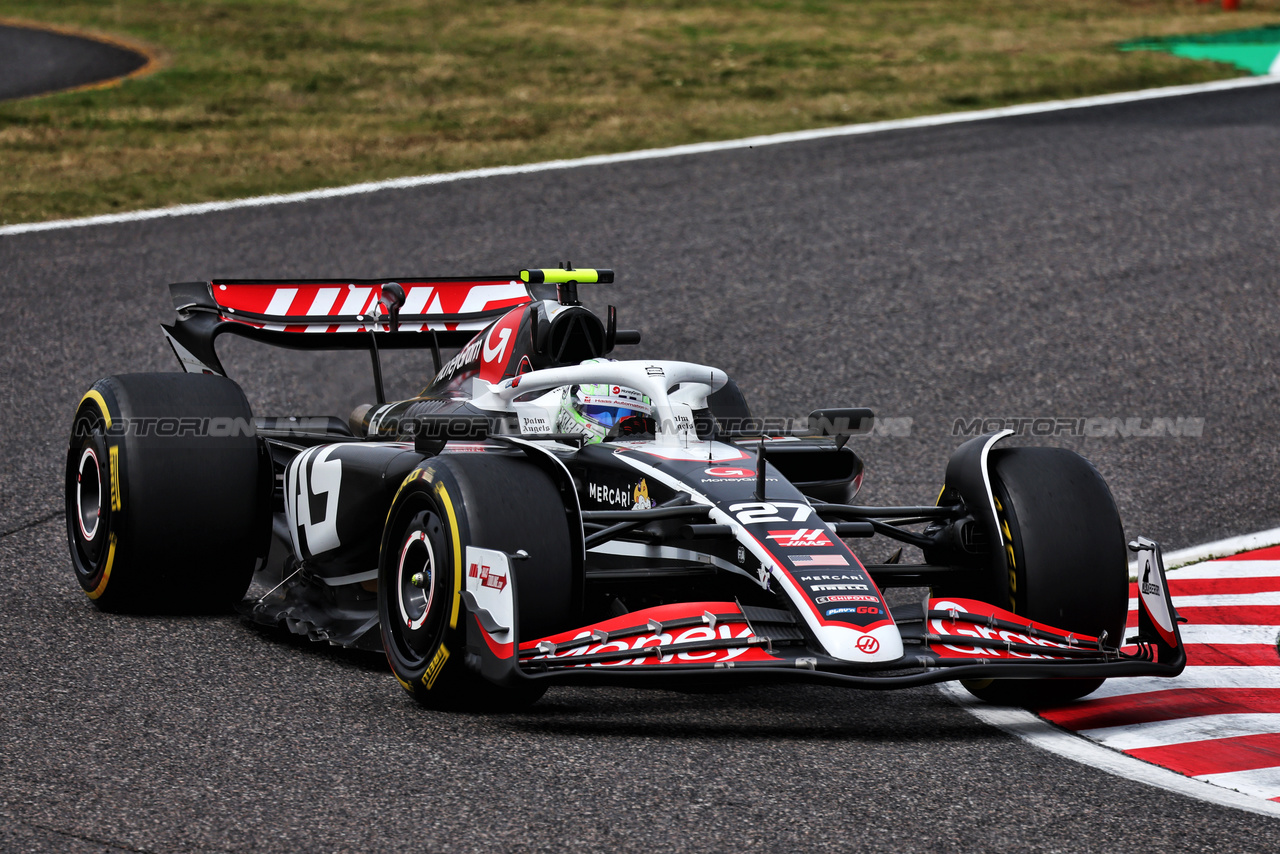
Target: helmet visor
x,y
606,416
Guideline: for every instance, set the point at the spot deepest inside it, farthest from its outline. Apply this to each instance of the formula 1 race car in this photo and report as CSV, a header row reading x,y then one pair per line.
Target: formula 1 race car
x,y
541,514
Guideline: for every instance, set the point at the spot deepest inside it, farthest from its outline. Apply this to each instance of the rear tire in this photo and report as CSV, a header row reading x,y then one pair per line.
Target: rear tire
x,y
1067,562
492,501
164,493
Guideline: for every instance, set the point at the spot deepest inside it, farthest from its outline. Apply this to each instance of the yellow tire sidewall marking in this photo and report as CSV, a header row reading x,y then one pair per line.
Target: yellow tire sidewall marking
x,y
96,397
1006,536
433,669
457,553
114,466
113,458
106,572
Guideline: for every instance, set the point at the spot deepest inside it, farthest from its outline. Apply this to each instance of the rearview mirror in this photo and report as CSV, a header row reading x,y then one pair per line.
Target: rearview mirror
x,y
841,422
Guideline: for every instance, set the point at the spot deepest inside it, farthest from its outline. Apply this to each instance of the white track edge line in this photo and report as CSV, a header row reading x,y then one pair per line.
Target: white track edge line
x,y
649,154
1039,733
1219,549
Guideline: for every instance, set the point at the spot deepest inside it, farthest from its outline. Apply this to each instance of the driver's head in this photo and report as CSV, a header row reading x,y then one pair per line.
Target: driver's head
x,y
604,411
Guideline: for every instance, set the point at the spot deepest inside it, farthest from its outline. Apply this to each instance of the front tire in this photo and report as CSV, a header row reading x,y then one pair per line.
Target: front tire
x,y
164,494
1067,563
493,501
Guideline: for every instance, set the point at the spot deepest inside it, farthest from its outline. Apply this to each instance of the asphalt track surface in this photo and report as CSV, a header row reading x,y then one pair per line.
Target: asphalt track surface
x,y
35,61
1113,262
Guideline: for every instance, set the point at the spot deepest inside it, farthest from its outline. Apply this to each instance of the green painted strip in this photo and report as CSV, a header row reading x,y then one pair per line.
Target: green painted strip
x,y
1256,51
1254,58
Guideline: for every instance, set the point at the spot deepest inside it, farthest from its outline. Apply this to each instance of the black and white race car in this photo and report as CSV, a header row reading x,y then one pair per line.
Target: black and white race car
x,y
541,514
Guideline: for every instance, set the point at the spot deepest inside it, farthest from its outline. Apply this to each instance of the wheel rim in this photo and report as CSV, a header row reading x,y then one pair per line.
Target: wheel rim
x,y
417,562
88,505
88,495
414,614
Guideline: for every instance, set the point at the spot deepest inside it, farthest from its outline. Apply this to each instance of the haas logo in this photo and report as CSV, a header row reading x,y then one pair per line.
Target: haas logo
x,y
802,537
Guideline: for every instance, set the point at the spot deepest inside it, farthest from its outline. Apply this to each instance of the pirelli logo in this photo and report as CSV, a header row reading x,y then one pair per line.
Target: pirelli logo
x,y
114,453
436,665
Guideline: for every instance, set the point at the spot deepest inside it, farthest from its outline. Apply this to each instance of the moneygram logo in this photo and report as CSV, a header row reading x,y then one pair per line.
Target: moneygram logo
x,y
728,472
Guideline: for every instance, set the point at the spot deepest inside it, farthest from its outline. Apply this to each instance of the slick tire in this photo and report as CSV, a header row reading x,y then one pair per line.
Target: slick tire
x,y
492,501
165,494
1067,561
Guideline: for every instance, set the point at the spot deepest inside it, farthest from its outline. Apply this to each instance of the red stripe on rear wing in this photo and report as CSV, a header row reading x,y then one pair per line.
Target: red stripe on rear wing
x,y
442,305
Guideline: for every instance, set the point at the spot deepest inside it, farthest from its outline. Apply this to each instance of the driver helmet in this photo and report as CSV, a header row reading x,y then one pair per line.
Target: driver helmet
x,y
600,409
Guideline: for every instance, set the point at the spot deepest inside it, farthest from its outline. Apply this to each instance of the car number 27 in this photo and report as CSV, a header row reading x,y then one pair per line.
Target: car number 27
x,y
755,512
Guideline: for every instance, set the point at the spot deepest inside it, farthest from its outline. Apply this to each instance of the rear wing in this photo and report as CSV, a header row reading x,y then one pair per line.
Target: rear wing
x,y
333,314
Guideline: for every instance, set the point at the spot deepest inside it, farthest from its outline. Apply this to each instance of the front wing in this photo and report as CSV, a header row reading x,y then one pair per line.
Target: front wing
x,y
944,639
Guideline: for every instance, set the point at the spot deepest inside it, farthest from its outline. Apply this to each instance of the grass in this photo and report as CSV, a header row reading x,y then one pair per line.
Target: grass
x,y
264,96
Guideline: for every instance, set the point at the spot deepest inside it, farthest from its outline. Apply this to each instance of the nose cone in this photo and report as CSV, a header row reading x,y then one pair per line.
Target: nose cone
x,y
883,643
